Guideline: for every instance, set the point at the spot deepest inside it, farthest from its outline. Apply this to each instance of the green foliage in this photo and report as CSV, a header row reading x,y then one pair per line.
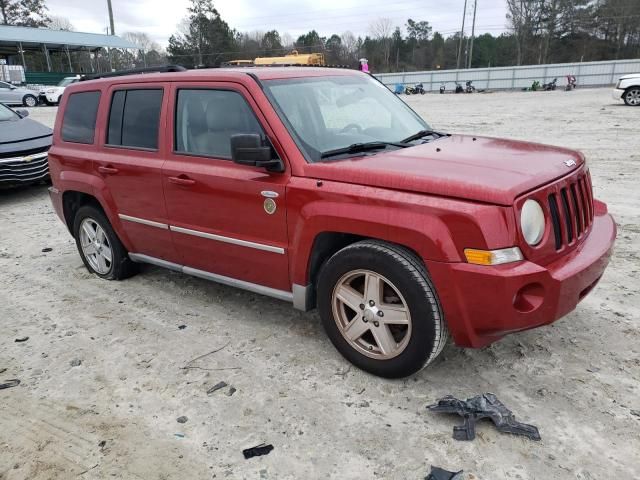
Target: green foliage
x,y
24,13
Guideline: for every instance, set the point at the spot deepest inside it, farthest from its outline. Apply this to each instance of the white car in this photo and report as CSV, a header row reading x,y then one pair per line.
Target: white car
x,y
628,89
52,95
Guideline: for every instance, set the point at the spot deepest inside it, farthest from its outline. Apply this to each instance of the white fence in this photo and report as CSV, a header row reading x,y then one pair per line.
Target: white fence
x,y
589,74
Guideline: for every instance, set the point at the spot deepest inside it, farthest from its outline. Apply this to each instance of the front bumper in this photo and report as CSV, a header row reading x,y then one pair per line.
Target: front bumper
x,y
48,97
617,93
24,169
482,304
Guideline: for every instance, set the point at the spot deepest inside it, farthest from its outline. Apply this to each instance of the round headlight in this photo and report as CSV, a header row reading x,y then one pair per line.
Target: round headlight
x,y
532,222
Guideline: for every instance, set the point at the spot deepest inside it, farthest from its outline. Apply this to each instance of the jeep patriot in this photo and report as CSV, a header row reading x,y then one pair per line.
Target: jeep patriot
x,y
321,187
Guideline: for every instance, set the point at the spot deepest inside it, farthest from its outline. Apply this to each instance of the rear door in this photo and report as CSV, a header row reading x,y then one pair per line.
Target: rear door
x,y
225,218
130,163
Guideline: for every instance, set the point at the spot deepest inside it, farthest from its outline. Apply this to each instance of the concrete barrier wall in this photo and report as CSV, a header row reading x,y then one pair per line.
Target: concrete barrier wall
x,y
589,74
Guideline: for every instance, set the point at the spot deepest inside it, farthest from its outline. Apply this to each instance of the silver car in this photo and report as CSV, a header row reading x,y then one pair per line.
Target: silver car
x,y
12,95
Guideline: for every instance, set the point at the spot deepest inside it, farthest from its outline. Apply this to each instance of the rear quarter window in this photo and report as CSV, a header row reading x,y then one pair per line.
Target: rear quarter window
x,y
79,121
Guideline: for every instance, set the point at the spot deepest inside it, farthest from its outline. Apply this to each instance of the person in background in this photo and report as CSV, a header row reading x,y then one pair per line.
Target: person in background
x,y
364,65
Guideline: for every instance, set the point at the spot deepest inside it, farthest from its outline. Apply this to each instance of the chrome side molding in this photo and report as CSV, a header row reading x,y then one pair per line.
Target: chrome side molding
x,y
143,221
234,241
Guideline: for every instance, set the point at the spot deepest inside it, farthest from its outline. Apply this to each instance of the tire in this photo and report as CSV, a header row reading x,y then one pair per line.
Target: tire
x,y
29,101
120,266
406,287
631,96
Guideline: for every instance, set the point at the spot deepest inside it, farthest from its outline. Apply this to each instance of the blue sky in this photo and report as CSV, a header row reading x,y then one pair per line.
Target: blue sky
x,y
159,19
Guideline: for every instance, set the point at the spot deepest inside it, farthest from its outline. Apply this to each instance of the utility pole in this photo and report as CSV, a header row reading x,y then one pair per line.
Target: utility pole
x,y
113,32
464,14
473,32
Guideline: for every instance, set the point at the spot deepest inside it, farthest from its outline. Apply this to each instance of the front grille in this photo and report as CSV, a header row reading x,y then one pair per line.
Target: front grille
x,y
571,209
21,171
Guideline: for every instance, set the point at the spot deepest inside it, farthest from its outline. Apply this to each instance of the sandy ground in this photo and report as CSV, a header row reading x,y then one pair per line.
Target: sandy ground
x,y
114,415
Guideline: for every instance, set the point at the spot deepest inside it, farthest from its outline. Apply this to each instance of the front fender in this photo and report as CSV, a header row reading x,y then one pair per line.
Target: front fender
x,y
436,228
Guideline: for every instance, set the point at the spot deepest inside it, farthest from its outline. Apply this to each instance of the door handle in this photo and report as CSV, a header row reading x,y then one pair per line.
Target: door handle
x,y
107,170
182,180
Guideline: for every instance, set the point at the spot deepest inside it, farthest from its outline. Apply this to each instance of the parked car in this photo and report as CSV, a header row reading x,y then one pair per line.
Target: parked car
x,y
628,89
23,148
322,188
52,95
12,95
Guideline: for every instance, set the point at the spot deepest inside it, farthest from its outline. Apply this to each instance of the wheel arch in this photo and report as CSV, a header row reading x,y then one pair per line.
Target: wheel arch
x,y
72,200
328,243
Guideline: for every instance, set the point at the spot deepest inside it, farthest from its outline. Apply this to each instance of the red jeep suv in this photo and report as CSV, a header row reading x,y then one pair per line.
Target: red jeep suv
x,y
320,187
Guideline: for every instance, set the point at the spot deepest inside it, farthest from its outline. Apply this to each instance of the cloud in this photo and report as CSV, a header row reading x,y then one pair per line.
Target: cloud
x,y
159,19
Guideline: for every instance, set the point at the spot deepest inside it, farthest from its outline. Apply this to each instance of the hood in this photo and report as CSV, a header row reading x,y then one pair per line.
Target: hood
x,y
483,169
13,133
632,75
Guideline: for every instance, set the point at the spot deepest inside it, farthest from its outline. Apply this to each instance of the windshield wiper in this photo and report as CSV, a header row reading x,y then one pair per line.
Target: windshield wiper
x,y
361,147
423,133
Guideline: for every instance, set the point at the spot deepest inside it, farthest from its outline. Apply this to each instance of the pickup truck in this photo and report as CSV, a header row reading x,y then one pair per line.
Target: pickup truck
x,y
628,89
322,188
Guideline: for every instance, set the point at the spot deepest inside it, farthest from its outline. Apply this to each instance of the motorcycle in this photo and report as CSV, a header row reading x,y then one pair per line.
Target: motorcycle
x,y
417,89
470,88
459,88
572,83
443,87
547,87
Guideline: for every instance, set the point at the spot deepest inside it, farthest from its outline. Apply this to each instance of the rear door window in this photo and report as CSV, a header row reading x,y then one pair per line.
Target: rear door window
x,y
206,120
79,122
134,118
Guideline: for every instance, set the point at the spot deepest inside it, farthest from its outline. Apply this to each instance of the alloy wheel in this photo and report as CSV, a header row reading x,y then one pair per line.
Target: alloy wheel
x,y
95,246
633,97
371,314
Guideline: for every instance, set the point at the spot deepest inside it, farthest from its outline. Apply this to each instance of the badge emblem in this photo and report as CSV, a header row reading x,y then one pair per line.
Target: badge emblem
x,y
270,206
570,163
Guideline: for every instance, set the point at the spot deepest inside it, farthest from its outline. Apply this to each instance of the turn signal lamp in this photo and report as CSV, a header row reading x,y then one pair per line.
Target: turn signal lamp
x,y
493,257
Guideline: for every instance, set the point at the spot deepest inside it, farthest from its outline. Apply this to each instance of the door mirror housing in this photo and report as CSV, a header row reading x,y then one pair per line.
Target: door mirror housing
x,y
12,87
22,112
248,149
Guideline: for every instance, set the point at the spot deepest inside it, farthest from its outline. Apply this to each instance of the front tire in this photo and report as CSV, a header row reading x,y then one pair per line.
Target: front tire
x,y
380,309
100,248
29,101
632,96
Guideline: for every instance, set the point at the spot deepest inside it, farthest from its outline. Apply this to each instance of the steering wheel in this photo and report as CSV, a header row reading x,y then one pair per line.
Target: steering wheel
x,y
352,126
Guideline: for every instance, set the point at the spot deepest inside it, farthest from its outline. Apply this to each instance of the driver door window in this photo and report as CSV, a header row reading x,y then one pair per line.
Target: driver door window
x,y
206,120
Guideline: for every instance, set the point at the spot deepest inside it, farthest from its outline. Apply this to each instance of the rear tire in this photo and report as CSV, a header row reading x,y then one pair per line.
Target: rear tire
x,y
631,96
29,101
101,250
380,309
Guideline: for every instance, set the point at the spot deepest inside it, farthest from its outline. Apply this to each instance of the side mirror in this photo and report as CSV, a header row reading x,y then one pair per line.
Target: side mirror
x,y
247,149
12,87
22,112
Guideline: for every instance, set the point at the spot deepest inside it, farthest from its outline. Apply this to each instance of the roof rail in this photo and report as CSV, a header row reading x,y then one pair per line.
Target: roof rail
x,y
134,71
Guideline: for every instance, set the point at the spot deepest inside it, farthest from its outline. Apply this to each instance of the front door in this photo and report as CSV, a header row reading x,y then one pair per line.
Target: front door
x,y
6,94
225,218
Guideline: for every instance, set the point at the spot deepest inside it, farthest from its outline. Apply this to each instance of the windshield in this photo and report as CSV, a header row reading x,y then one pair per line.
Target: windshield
x,y
6,114
328,113
66,81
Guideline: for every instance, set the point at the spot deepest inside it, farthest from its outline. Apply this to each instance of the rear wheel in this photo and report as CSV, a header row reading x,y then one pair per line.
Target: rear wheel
x,y
632,96
99,246
29,101
380,310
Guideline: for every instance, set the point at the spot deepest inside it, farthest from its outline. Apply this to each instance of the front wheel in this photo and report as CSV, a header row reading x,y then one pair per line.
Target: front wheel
x,y
380,309
632,96
100,248
29,101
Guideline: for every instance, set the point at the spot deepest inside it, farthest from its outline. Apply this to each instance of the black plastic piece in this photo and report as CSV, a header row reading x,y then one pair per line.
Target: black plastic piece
x,y
135,71
438,473
483,406
257,451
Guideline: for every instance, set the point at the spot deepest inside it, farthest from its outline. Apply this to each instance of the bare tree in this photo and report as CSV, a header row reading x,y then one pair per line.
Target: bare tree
x,y
381,29
60,23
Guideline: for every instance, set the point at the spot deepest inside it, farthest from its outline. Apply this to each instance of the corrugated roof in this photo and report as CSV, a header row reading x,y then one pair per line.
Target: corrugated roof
x,y
28,35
